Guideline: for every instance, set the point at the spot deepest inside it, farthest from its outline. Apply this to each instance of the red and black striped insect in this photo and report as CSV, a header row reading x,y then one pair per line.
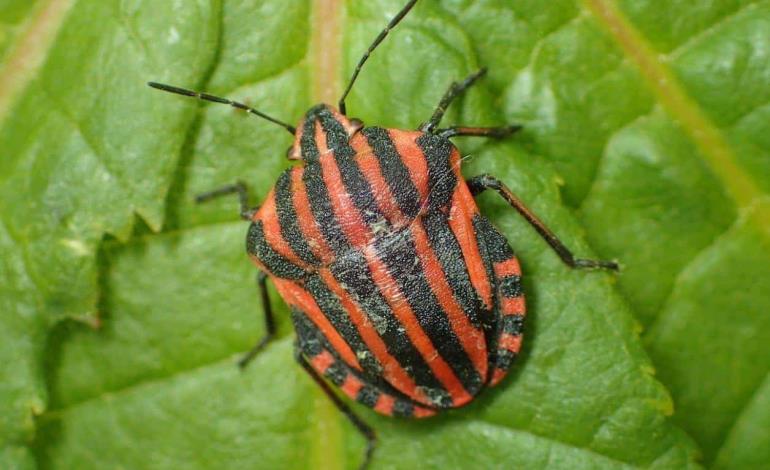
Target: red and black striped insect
x,y
403,295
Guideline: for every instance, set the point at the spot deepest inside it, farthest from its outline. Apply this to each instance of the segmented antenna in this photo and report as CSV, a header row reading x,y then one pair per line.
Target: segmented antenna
x,y
217,99
396,19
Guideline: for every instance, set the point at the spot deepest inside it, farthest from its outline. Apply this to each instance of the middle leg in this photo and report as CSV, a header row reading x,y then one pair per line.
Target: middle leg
x,y
269,322
319,359
239,188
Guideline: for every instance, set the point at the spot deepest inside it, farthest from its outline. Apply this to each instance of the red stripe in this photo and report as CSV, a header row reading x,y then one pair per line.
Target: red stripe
x,y
384,404
321,362
413,329
509,267
345,211
460,221
497,376
509,342
471,338
306,220
272,230
420,412
370,168
392,370
512,306
359,235
351,386
295,295
413,158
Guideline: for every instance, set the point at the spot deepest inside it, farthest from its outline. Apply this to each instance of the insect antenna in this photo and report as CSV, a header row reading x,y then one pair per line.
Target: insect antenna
x,y
396,19
217,99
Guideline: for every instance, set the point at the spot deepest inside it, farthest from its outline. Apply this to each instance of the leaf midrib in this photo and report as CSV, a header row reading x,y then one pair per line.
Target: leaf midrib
x,y
326,450
708,138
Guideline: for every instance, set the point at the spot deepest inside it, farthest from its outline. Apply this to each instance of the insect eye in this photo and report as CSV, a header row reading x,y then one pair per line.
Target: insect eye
x,y
355,126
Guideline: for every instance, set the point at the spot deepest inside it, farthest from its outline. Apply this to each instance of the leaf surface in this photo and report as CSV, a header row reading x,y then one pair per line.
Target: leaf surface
x,y
656,118
156,386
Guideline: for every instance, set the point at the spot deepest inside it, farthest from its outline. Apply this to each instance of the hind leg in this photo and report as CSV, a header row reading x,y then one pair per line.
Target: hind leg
x,y
360,425
480,183
320,361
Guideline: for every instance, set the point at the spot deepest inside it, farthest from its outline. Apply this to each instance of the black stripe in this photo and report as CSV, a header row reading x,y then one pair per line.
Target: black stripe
x,y
287,219
368,395
450,255
311,342
496,245
337,372
257,246
513,324
331,308
353,273
307,143
441,179
504,359
309,338
403,409
394,170
510,286
356,185
494,248
317,193
397,251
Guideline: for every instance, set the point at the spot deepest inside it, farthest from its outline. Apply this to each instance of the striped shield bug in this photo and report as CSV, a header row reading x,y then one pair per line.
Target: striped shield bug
x,y
402,294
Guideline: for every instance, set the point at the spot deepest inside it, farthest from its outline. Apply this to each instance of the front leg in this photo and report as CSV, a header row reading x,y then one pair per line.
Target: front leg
x,y
239,188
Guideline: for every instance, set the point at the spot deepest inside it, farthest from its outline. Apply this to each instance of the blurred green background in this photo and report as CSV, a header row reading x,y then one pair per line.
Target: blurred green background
x,y
123,306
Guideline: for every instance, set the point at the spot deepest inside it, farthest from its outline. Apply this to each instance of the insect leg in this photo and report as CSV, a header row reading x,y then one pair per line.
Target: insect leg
x,y
509,308
269,322
494,132
480,183
239,188
455,89
360,425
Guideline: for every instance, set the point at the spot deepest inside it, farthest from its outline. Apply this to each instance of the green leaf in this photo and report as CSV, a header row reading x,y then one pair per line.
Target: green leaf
x,y
88,147
81,156
656,117
724,367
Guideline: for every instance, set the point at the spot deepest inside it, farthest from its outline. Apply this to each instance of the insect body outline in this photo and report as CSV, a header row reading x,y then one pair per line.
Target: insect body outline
x,y
402,294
